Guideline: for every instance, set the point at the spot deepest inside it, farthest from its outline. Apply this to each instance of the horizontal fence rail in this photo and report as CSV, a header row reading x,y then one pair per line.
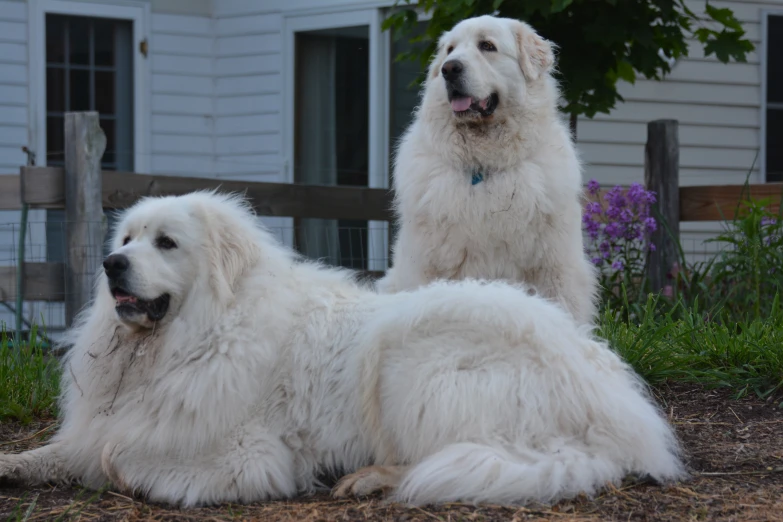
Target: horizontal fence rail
x,y
44,188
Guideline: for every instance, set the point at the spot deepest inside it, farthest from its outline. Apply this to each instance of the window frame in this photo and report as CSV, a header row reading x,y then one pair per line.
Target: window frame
x,y
138,13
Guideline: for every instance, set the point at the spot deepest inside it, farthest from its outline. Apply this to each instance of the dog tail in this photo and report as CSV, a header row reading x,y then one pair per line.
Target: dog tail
x,y
470,472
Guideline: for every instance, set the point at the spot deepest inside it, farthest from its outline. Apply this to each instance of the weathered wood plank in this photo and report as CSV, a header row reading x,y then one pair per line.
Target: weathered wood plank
x,y
45,188
42,282
85,143
662,175
719,202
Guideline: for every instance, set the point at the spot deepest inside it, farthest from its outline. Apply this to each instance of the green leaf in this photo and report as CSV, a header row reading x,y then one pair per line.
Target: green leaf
x,y
626,72
723,16
560,5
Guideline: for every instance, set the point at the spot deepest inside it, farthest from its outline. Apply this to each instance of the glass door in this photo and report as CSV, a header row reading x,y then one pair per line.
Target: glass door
x,y
335,130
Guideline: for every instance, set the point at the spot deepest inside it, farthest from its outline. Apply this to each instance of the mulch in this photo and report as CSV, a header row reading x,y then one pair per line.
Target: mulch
x,y
734,449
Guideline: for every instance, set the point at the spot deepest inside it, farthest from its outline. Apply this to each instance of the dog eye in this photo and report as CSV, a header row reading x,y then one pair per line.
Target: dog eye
x,y
165,243
487,46
451,48
126,240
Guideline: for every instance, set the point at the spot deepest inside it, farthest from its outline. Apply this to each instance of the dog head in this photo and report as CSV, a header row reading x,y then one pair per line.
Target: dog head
x,y
486,65
167,250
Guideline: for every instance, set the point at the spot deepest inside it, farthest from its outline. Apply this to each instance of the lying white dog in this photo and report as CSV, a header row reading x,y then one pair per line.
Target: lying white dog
x,y
213,365
486,179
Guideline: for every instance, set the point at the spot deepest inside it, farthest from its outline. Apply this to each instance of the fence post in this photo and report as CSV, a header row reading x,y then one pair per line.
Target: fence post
x,y
662,175
85,143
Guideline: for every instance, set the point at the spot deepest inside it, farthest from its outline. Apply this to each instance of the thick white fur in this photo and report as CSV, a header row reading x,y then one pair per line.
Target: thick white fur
x,y
268,370
523,223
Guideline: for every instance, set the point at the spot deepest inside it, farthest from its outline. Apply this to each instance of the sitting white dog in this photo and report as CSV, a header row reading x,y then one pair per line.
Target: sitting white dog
x,y
213,365
487,182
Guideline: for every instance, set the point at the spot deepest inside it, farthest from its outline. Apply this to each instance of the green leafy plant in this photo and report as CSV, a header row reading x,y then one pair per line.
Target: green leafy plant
x,y
29,380
599,41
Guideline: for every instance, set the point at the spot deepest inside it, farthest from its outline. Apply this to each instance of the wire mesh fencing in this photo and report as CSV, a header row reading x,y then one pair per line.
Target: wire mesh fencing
x,y
357,245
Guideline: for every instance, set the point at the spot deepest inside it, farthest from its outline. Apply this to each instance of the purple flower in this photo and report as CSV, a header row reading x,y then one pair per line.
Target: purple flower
x,y
597,261
652,247
618,265
592,228
593,208
636,194
593,187
614,230
650,225
767,221
615,197
626,216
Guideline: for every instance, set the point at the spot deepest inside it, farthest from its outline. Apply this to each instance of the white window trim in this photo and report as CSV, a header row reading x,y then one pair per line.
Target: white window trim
x,y
378,145
134,10
765,14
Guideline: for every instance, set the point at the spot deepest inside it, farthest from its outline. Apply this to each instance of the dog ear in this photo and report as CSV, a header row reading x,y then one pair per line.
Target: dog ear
x,y
230,250
536,56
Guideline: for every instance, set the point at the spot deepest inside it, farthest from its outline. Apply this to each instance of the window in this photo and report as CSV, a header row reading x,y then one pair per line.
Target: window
x,y
773,104
89,67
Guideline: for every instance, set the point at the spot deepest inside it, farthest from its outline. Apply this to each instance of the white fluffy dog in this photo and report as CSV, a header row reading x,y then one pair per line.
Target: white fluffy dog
x,y
214,365
486,179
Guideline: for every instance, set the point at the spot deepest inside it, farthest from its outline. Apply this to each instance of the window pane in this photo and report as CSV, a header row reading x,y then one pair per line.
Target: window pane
x,y
104,42
80,91
774,149
775,59
79,39
109,157
104,92
55,142
55,39
55,90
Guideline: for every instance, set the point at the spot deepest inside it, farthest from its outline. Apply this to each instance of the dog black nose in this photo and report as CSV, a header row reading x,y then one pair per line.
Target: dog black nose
x,y
451,70
115,265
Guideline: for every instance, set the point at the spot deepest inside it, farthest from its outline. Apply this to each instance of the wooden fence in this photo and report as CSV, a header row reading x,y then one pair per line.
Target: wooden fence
x,y
84,191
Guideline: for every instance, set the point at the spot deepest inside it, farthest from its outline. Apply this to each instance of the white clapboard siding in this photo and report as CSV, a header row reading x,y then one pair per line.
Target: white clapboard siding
x,y
248,79
183,103
13,136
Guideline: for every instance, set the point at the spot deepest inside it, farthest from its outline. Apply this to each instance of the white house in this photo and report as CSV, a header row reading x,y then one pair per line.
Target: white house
x,y
239,89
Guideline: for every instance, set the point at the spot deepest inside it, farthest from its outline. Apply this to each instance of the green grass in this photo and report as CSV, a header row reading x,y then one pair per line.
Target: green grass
x,y
29,381
684,345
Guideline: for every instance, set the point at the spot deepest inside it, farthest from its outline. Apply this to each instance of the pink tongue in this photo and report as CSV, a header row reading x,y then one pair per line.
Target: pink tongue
x,y
460,104
126,299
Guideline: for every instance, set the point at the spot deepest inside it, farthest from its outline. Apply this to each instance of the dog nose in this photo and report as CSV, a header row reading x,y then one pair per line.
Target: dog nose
x,y
451,70
115,265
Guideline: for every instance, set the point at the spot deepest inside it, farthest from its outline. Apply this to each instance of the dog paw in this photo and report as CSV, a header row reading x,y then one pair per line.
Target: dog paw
x,y
367,481
111,451
9,469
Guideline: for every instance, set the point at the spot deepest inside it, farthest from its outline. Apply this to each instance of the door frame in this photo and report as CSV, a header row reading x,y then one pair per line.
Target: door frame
x,y
378,138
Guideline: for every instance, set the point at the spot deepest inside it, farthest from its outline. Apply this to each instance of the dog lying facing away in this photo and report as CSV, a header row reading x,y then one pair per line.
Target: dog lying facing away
x,y
487,181
214,365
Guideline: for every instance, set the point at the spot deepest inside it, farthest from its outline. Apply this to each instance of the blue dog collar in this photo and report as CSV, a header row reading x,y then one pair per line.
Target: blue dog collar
x,y
477,178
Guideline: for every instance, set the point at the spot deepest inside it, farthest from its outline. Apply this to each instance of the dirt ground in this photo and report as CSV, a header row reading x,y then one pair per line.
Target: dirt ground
x,y
734,450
